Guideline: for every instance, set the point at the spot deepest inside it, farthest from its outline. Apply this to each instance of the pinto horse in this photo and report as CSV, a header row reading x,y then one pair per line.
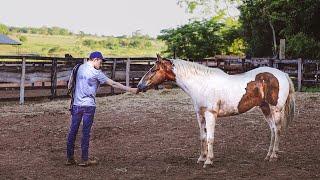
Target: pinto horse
x,y
217,94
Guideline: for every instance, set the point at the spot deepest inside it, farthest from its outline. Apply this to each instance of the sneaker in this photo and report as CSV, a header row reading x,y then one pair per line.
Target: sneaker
x,y
70,162
88,162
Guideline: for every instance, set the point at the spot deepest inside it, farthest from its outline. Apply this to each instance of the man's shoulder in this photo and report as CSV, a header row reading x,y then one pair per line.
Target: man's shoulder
x,y
85,68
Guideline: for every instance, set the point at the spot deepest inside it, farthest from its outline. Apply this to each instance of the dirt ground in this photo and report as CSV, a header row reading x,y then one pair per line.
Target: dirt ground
x,y
155,135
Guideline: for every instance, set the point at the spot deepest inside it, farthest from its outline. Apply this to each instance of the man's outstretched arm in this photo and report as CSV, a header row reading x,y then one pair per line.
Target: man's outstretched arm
x,y
120,86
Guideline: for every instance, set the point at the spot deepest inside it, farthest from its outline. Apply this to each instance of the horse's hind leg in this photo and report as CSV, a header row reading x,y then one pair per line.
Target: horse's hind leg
x,y
265,108
276,114
210,117
203,138
273,117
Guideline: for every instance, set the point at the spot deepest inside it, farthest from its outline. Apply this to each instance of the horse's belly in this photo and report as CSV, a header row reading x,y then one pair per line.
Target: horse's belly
x,y
227,110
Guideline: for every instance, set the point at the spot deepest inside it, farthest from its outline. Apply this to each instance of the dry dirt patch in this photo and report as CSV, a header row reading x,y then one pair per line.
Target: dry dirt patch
x,y
154,135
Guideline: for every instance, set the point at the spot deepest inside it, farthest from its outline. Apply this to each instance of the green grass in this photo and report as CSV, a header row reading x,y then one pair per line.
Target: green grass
x,y
311,89
57,45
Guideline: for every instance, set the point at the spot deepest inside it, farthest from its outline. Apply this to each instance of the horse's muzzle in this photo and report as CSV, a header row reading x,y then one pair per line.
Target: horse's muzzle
x,y
142,87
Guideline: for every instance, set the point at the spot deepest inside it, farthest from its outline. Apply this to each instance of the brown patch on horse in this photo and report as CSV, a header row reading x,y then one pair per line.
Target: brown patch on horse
x,y
203,109
265,108
270,88
264,89
162,71
168,69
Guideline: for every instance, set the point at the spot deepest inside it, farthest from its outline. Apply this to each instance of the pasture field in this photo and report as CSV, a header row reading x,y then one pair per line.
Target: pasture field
x,y
154,135
59,45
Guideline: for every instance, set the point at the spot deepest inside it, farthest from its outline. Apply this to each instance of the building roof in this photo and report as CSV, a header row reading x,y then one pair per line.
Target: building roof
x,y
6,40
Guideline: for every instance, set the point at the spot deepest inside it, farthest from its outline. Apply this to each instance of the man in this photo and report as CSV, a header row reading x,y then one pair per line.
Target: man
x,y
88,77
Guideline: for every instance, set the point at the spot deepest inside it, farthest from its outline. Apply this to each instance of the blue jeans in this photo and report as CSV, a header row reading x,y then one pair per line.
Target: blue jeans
x,y
78,113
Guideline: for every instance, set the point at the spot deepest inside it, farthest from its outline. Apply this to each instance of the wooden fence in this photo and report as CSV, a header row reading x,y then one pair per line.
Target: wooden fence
x,y
35,72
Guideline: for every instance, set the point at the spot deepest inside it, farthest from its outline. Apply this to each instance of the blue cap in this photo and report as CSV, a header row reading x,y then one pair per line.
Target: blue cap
x,y
96,54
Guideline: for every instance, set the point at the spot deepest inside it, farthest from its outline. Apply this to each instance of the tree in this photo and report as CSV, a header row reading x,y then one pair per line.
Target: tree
x,y
4,29
265,22
23,38
198,39
210,8
287,18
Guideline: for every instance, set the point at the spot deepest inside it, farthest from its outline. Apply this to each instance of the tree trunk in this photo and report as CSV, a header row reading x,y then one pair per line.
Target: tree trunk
x,y
274,40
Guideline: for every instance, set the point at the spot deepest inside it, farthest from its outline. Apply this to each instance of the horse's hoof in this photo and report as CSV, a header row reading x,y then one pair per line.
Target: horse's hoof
x,y
206,165
273,157
267,158
201,159
207,162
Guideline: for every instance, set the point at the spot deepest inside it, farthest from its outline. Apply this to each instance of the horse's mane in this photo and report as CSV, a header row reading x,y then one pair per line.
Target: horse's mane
x,y
186,68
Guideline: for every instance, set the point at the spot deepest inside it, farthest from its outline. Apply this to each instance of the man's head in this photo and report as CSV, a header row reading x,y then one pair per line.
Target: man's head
x,y
96,59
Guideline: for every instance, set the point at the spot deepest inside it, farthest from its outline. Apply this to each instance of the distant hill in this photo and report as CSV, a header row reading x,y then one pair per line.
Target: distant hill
x,y
57,41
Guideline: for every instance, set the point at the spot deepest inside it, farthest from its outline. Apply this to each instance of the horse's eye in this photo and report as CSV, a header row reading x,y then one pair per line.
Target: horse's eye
x,y
154,69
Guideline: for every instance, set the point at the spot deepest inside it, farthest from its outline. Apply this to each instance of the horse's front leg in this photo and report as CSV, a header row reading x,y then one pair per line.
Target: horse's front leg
x,y
210,118
203,138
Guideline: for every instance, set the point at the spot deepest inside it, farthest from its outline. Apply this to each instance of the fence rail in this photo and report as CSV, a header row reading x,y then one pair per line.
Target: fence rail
x,y
35,72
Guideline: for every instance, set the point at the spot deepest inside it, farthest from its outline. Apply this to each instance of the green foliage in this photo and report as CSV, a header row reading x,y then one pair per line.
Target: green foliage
x,y
4,29
300,45
289,19
192,6
42,30
89,43
237,47
22,38
206,7
198,39
311,89
256,29
115,43
231,33
55,50
201,39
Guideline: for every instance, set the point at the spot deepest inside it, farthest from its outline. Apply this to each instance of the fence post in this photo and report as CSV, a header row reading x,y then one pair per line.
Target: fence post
x,y
243,63
43,83
54,79
113,73
282,49
128,72
300,70
317,75
23,76
271,62
33,66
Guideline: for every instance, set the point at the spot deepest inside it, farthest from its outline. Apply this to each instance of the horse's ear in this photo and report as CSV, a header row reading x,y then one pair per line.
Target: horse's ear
x,y
159,58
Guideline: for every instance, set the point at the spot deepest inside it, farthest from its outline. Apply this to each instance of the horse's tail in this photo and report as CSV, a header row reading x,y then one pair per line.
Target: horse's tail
x,y
289,109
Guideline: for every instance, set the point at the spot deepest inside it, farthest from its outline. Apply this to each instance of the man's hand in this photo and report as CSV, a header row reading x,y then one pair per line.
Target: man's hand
x,y
134,90
120,86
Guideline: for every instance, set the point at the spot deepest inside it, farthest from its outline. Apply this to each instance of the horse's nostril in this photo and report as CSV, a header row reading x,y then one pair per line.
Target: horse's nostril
x,y
140,86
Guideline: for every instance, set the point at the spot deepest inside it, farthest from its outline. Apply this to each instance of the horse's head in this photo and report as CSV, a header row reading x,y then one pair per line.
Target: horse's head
x,y
160,72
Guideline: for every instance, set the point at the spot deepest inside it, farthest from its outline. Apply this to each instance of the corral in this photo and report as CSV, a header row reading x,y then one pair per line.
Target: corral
x,y
154,135
23,76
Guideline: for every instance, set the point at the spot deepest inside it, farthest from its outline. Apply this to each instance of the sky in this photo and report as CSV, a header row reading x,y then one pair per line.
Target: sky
x,y
101,17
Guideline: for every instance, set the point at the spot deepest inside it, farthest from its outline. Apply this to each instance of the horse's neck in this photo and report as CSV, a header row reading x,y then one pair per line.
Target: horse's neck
x,y
193,83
